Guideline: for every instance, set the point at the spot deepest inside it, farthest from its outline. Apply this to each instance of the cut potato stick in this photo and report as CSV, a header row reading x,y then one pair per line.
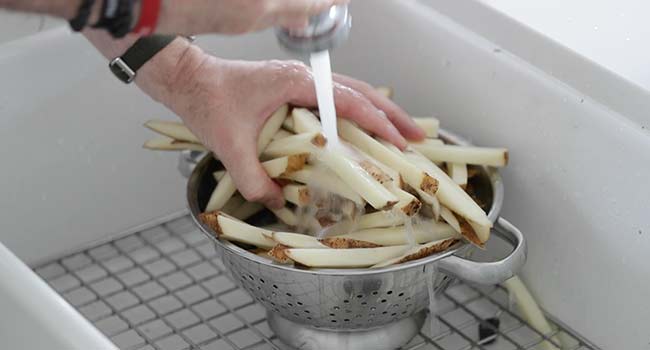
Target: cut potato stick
x,y
166,144
496,157
295,240
296,194
449,193
325,180
304,121
411,174
286,216
278,253
389,236
408,204
234,230
531,311
347,243
296,144
430,125
232,204
450,218
175,130
338,258
247,210
226,187
458,173
420,252
218,175
385,91
376,172
281,134
358,179
285,165
383,218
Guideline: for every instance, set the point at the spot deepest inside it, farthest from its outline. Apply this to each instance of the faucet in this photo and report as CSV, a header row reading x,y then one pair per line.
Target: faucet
x,y
325,31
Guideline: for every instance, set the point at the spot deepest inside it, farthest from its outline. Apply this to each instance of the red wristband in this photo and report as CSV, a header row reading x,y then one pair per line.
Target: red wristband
x,y
149,11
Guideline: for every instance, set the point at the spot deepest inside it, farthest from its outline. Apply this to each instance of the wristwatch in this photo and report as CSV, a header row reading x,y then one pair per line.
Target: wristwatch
x,y
126,67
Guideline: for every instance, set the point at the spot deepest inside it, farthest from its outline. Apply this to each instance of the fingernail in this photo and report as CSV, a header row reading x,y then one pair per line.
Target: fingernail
x,y
277,203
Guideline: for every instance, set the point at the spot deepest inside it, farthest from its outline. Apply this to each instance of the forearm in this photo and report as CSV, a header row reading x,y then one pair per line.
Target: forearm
x,y
167,72
59,8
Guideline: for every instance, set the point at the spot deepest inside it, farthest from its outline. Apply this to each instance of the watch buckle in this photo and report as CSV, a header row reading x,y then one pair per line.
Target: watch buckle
x,y
129,74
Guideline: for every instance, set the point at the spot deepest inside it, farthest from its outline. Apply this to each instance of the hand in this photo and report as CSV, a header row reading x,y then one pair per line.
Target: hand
x,y
226,103
237,16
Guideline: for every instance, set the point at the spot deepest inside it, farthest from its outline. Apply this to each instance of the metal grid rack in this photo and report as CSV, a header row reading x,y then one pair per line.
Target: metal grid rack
x,y
164,288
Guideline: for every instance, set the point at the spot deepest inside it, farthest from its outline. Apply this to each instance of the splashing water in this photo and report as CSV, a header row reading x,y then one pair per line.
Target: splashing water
x,y
322,70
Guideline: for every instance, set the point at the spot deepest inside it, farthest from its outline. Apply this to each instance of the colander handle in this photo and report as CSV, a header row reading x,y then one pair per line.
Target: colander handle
x,y
490,272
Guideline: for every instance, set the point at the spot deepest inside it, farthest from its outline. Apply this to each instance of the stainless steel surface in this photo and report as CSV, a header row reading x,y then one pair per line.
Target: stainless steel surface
x,y
353,299
390,337
325,31
164,288
490,272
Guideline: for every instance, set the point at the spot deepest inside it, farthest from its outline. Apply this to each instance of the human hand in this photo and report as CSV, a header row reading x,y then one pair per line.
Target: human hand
x,y
237,16
226,103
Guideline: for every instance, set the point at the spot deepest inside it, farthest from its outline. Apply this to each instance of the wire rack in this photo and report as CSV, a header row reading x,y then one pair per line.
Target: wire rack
x,y
164,288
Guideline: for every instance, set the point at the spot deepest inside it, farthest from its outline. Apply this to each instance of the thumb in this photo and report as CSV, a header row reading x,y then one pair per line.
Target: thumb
x,y
249,176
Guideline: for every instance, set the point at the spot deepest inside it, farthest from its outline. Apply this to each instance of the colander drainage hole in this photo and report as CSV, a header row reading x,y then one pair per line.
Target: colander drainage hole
x,y
385,312
364,303
389,292
306,311
359,296
332,314
251,277
347,320
309,318
346,301
400,294
274,286
299,303
373,308
288,294
333,321
261,280
375,293
290,304
336,308
383,300
393,314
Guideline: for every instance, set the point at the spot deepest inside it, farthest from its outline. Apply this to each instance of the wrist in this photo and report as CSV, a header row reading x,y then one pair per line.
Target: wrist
x,y
166,76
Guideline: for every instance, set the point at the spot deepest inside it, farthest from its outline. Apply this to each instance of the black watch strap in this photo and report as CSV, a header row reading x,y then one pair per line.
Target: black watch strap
x,y
126,67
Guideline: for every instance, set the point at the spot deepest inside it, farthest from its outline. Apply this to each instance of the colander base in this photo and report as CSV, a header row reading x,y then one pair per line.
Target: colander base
x,y
304,337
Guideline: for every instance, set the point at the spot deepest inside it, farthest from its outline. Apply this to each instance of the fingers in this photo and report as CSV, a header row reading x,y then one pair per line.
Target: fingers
x,y
240,158
350,104
402,121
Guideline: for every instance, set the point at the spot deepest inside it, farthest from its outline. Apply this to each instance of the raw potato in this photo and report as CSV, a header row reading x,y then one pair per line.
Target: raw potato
x,y
408,204
234,230
226,187
285,165
458,173
531,311
411,174
383,218
304,121
295,240
296,194
344,258
326,180
451,195
496,157
278,253
358,179
232,204
296,144
347,243
281,134
175,130
420,252
247,210
430,125
218,175
390,236
285,215
450,218
166,144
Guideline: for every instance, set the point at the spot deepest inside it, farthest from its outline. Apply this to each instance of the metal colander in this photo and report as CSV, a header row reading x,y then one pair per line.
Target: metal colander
x,y
355,308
